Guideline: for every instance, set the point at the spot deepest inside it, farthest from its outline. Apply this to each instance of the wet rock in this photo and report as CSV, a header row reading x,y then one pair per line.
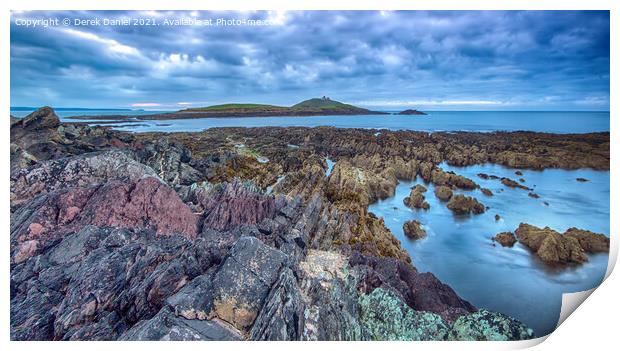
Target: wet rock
x,y
512,184
413,230
416,199
506,239
461,204
443,193
384,316
486,191
550,246
519,173
497,217
533,195
589,241
582,180
485,325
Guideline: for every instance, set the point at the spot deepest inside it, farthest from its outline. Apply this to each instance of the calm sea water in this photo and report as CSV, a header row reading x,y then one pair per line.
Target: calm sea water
x,y
458,249
479,121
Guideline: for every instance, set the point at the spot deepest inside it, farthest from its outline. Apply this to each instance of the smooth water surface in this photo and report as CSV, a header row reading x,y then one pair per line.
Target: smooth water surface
x,y
459,251
478,121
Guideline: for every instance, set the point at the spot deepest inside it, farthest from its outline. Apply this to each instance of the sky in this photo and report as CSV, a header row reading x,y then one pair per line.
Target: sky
x,y
437,60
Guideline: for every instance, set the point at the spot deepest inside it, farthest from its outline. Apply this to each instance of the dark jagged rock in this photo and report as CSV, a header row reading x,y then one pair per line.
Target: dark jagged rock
x,y
583,180
497,217
170,160
233,204
43,118
505,239
461,204
533,195
413,230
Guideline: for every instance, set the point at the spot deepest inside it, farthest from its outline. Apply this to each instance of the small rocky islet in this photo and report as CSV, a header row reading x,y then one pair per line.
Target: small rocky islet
x,y
173,236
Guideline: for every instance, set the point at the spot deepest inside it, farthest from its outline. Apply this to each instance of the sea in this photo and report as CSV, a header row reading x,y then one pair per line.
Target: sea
x,y
458,249
435,121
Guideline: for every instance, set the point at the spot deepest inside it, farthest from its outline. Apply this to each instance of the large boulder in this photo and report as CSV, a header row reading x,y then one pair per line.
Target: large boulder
x,y
589,241
43,118
550,246
505,239
416,198
461,204
413,230
145,204
77,171
443,193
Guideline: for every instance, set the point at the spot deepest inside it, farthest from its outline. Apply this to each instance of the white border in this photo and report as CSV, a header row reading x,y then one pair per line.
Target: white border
x,y
594,325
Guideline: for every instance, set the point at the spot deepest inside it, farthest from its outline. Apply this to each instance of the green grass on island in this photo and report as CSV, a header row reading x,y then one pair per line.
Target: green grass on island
x,y
323,104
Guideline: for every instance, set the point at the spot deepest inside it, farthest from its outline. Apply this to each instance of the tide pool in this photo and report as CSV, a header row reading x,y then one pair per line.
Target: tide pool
x,y
459,250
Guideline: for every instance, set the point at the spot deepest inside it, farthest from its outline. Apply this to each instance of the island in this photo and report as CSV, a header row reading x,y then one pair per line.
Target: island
x,y
323,106
412,112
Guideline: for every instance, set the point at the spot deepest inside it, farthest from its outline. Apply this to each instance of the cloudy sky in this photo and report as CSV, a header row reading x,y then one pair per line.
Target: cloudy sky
x,y
430,60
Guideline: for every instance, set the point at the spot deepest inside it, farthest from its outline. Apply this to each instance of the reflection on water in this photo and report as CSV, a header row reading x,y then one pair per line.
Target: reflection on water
x,y
458,249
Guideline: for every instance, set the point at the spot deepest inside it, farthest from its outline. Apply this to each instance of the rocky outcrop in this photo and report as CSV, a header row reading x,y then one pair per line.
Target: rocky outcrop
x,y
589,241
550,246
443,193
147,204
461,204
513,184
413,230
77,171
487,325
43,118
170,160
233,204
416,198
506,239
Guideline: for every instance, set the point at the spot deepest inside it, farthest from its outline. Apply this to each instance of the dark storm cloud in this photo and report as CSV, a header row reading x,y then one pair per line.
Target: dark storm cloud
x,y
439,60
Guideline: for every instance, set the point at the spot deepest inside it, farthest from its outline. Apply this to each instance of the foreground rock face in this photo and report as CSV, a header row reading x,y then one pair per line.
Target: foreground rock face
x,y
117,236
486,325
461,204
413,230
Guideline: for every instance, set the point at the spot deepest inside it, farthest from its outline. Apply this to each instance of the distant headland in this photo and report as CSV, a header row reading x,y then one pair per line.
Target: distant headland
x,y
323,106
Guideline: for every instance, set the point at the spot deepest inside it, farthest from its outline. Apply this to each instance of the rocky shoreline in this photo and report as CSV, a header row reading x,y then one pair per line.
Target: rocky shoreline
x,y
239,233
